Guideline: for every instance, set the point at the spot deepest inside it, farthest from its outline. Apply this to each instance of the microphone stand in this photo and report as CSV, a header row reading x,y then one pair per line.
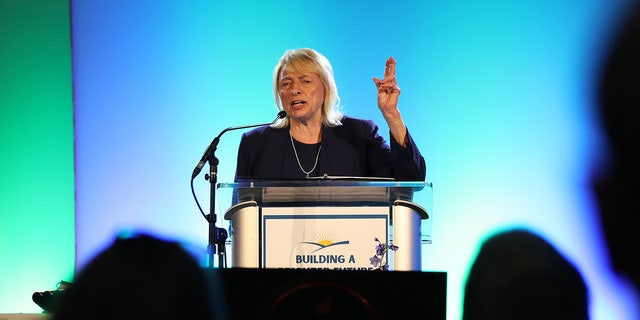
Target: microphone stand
x,y
218,236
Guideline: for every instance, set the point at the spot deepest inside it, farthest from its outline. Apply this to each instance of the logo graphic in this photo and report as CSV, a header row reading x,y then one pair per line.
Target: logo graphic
x,y
325,240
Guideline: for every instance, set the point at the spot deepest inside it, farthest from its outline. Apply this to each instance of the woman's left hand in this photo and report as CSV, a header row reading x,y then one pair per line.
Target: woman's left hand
x,y
388,93
388,90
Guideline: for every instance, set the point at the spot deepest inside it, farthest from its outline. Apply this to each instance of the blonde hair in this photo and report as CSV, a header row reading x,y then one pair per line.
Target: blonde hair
x,y
309,59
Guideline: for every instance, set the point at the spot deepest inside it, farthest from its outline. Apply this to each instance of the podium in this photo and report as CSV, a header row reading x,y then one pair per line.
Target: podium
x,y
324,223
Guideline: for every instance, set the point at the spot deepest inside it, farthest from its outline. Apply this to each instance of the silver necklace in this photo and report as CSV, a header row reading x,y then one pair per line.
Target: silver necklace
x,y
298,159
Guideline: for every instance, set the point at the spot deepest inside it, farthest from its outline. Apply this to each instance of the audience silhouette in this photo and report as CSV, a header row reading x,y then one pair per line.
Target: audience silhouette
x,y
517,274
140,277
617,187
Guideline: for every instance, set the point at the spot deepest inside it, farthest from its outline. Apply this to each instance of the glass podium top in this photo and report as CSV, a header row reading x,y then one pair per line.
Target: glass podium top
x,y
356,190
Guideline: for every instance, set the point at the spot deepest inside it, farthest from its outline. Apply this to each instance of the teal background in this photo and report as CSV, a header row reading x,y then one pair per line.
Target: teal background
x,y
36,146
499,96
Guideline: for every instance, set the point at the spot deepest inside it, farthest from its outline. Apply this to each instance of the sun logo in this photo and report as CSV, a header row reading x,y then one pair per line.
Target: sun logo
x,y
325,242
325,239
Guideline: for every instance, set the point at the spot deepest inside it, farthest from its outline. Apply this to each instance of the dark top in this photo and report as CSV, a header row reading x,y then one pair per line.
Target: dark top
x,y
353,149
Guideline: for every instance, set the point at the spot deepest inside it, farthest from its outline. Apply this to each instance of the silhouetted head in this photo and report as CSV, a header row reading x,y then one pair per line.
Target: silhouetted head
x,y
617,185
519,275
140,277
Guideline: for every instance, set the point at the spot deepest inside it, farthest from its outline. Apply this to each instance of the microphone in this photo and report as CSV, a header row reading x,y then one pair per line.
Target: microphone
x,y
214,144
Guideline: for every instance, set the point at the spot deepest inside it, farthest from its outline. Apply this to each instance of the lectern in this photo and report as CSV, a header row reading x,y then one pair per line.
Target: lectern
x,y
325,223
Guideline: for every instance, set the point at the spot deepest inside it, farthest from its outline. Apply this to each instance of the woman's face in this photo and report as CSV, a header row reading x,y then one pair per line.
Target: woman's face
x,y
301,94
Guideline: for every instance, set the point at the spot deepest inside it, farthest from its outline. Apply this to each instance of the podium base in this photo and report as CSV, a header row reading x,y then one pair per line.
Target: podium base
x,y
250,293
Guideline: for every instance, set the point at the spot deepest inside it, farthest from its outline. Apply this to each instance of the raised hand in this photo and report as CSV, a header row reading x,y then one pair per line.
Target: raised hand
x,y
388,89
388,94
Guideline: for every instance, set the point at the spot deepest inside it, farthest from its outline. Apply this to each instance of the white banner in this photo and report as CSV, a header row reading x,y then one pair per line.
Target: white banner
x,y
340,238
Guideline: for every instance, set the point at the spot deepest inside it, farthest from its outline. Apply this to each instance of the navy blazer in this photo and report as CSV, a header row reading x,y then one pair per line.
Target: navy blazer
x,y
353,149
